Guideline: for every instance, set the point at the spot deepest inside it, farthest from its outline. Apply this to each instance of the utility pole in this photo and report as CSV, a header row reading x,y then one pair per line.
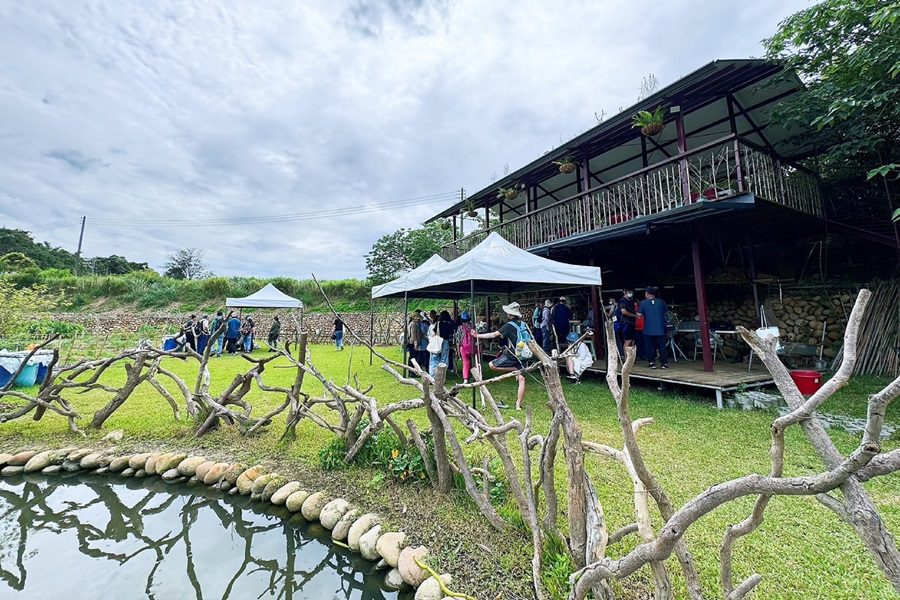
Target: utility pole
x,y
80,239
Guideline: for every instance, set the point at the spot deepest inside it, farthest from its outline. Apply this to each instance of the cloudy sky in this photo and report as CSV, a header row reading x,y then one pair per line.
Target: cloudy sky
x,y
154,118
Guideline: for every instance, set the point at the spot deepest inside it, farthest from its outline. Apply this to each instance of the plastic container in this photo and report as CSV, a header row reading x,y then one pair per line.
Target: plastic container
x,y
26,378
169,343
808,382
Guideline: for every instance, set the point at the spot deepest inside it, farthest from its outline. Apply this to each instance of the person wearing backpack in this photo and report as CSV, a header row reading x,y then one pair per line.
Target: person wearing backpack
x,y
514,336
465,341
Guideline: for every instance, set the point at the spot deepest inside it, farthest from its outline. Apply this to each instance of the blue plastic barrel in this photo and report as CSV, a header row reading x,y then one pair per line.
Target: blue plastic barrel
x,y
41,373
27,377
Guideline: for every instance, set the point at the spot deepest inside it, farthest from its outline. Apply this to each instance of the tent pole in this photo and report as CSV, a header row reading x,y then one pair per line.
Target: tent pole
x,y
702,308
477,353
405,319
372,330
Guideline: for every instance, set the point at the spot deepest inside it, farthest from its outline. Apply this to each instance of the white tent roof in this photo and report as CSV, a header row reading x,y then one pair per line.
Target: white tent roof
x,y
268,297
400,285
497,266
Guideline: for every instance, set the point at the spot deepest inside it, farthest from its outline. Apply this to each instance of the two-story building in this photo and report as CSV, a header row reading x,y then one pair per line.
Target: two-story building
x,y
719,186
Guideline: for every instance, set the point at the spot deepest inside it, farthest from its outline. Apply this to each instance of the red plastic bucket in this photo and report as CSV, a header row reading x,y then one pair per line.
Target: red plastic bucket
x,y
808,382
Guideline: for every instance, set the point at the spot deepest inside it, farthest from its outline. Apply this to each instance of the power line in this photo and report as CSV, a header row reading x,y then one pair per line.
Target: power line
x,y
289,217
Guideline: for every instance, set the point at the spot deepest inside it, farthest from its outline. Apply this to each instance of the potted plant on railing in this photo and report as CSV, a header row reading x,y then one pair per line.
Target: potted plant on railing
x,y
509,193
650,123
566,165
470,208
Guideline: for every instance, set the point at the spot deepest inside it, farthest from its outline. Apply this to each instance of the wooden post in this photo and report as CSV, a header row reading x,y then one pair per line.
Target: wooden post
x,y
702,308
683,169
473,321
405,319
753,283
372,330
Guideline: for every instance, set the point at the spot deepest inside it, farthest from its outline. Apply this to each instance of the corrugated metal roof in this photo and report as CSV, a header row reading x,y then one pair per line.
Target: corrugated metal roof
x,y
754,83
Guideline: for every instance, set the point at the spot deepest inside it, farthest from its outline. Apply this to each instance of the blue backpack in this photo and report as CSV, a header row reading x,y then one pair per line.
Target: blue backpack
x,y
523,336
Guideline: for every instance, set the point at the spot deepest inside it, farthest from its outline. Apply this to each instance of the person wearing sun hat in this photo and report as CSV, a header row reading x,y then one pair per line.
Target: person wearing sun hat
x,y
514,337
582,359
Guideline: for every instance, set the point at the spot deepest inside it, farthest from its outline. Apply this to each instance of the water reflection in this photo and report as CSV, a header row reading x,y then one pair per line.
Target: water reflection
x,y
77,536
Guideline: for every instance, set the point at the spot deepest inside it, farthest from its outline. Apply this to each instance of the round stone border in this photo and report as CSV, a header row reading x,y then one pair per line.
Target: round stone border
x,y
350,526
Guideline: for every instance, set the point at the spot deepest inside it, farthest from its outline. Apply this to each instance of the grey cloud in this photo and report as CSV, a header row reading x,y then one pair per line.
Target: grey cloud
x,y
76,159
173,110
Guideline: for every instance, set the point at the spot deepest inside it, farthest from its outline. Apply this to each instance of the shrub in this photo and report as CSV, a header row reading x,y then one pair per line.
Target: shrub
x,y
47,327
331,456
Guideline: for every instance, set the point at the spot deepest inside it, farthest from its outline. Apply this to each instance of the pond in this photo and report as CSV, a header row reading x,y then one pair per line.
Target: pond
x,y
81,536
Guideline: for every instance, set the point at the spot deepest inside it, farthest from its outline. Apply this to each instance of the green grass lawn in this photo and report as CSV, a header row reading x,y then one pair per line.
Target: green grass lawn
x,y
802,550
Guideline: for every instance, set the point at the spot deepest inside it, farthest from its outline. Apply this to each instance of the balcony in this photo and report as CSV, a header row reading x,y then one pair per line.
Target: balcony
x,y
722,169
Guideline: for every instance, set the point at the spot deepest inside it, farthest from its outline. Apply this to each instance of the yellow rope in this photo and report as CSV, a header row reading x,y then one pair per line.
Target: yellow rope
x,y
440,581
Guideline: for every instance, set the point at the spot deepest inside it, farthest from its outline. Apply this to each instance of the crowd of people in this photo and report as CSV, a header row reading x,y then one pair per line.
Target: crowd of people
x,y
238,334
642,324
433,338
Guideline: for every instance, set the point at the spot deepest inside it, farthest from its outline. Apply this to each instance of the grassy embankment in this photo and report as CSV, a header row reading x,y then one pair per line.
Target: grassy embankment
x,y
802,550
149,290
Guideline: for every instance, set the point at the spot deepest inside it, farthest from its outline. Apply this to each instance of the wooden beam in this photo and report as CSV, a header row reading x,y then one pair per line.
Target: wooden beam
x,y
702,307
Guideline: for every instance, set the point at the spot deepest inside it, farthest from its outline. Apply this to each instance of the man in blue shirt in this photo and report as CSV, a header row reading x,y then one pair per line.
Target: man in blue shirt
x,y
654,311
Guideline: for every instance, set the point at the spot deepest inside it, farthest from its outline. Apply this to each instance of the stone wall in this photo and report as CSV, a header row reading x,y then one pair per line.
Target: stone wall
x,y
148,324
799,316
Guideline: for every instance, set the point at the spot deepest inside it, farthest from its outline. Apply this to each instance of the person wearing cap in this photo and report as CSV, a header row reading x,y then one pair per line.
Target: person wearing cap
x,y
625,316
581,360
511,334
654,311
562,315
465,342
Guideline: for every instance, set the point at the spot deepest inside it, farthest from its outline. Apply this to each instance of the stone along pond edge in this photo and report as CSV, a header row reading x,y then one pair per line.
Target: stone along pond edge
x,y
350,526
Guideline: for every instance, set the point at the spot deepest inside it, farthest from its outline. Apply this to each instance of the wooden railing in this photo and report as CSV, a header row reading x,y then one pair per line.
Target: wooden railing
x,y
720,169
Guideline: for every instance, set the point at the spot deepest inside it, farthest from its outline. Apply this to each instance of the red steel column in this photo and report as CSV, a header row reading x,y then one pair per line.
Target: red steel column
x,y
702,307
683,170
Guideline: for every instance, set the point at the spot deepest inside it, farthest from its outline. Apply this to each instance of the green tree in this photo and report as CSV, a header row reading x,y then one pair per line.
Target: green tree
x,y
19,307
115,265
403,250
46,256
13,262
186,263
847,52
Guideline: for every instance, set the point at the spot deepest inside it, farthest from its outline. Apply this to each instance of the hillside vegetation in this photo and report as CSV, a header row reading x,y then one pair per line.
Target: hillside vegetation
x,y
149,290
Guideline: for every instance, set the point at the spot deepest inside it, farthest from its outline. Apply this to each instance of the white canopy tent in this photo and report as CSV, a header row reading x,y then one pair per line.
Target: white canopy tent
x,y
400,285
268,297
494,266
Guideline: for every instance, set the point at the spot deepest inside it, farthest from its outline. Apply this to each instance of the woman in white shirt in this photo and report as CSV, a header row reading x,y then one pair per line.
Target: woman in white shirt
x,y
577,364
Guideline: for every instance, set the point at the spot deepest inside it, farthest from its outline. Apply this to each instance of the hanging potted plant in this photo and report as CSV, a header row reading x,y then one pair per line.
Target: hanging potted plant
x,y
470,208
650,123
445,224
566,165
509,193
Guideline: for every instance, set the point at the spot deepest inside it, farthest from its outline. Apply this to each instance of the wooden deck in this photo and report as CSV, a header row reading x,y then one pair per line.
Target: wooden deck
x,y
726,377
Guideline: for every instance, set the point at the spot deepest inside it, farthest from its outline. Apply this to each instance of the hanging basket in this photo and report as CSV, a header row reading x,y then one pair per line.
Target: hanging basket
x,y
445,224
567,168
511,194
652,129
472,214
